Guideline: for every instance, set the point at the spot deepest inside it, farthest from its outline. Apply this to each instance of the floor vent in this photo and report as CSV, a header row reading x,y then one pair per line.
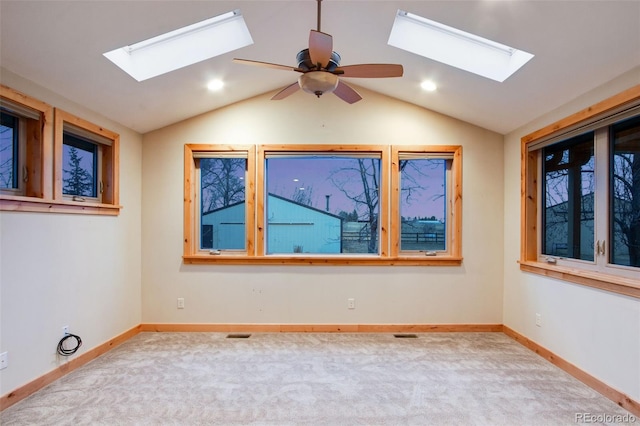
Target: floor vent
x,y
405,336
238,336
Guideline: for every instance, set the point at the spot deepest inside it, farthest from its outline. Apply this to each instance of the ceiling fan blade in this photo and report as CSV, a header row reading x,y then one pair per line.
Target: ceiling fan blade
x,y
371,70
320,47
265,64
289,90
346,93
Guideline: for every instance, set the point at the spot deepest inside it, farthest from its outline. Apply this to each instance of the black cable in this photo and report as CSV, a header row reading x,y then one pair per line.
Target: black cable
x,y
66,352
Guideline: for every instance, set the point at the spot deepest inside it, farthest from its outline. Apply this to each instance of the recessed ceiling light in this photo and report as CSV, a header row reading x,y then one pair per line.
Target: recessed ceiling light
x,y
428,85
455,47
182,47
215,85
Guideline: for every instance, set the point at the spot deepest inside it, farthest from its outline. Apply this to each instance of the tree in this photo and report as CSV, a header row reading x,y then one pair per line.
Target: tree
x,y
414,173
365,194
569,185
222,182
7,154
626,202
349,217
303,195
77,180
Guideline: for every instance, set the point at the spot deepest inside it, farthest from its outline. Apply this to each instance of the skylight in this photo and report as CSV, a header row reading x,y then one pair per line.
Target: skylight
x,y
182,47
455,47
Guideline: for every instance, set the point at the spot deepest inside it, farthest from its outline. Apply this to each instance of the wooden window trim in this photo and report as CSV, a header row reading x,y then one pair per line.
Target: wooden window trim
x,y
39,147
190,243
43,194
529,203
255,254
109,158
454,199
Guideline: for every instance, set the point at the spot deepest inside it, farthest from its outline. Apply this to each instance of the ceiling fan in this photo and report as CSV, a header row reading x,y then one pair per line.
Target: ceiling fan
x,y
320,68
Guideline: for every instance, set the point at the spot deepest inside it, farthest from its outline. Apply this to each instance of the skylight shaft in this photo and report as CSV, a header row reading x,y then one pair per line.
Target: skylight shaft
x,y
463,35
183,47
189,29
455,47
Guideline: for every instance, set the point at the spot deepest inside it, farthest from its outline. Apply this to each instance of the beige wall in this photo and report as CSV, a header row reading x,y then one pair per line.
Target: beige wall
x,y
103,275
597,331
471,293
62,269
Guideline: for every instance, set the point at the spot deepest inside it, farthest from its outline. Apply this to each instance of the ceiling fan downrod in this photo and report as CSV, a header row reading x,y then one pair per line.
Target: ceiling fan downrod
x,y
319,13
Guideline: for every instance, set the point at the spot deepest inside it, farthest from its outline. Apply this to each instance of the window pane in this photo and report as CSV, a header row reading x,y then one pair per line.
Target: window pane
x,y
423,204
80,161
8,151
222,203
625,193
322,204
568,194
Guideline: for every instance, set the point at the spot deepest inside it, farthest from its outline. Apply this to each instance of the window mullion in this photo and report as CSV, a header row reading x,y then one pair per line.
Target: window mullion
x,y
601,200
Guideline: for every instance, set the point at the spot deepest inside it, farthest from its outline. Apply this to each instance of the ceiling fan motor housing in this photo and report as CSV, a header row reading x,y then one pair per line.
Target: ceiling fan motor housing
x,y
304,61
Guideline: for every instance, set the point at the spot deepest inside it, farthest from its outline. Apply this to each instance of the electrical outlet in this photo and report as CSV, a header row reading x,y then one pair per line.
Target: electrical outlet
x,y
539,320
351,303
180,302
4,360
65,330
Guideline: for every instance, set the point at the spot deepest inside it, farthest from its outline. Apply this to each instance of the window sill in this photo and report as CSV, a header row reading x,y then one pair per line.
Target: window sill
x,y
611,283
328,261
40,205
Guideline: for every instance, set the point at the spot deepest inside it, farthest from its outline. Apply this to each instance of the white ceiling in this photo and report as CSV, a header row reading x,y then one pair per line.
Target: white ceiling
x,y
578,45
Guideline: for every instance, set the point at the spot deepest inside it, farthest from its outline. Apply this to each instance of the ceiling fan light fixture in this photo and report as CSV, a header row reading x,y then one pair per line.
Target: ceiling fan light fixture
x,y
318,82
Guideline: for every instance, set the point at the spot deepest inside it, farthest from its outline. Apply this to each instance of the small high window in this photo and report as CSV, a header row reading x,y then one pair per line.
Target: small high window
x,y
80,166
86,172
54,162
9,151
25,148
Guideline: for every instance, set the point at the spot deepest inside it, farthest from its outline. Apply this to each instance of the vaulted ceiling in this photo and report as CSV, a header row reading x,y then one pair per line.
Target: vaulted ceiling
x,y
578,45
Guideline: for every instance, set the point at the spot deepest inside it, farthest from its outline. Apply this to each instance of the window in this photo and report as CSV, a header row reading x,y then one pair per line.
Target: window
x,y
219,200
54,162
322,203
568,198
587,206
9,151
309,204
222,200
25,142
624,187
79,166
86,171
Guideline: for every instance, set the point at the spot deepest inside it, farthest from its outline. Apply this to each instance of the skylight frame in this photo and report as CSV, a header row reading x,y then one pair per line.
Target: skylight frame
x,y
455,47
182,47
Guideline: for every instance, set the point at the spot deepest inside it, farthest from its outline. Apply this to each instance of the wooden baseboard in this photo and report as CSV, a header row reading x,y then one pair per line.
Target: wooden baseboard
x,y
614,395
74,363
323,328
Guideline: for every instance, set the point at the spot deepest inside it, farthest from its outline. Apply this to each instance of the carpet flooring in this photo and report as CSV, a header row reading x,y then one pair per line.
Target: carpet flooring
x,y
315,379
